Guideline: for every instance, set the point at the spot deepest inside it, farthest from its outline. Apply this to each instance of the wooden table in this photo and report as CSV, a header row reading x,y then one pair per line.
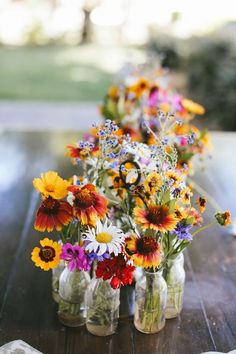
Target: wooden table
x,y
27,311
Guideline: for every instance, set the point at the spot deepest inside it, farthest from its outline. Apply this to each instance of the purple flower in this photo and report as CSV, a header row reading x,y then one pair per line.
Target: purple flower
x,y
75,257
94,257
182,232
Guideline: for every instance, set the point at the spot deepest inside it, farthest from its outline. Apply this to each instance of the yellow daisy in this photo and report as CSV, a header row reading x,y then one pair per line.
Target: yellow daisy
x,y
48,256
51,184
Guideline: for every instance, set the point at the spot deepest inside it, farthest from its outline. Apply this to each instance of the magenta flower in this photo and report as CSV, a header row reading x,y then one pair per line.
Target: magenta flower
x,y
75,257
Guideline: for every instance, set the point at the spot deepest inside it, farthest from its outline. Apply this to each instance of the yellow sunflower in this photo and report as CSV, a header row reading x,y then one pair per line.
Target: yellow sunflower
x,y
51,185
186,195
153,182
174,177
48,256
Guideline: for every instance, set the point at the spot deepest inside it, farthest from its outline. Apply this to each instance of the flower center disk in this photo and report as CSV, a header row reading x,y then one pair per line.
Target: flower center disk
x,y
47,254
84,199
104,237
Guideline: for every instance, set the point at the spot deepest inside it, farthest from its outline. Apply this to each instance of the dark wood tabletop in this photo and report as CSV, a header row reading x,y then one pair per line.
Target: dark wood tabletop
x,y
27,311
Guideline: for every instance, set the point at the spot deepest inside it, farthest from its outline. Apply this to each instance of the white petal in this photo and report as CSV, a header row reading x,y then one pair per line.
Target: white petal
x,y
102,249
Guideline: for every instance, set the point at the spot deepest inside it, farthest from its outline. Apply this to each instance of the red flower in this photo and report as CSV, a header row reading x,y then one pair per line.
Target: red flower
x,y
104,269
117,270
76,152
88,204
52,214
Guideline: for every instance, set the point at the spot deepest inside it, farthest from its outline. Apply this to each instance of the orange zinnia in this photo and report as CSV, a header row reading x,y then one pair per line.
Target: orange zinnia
x,y
52,214
155,217
88,204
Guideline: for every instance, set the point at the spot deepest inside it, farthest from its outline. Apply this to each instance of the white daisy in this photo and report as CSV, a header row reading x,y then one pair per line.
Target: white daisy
x,y
104,238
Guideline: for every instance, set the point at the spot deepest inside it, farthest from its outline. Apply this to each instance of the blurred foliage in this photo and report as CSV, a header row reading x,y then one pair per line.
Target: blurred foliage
x,y
209,65
169,55
211,74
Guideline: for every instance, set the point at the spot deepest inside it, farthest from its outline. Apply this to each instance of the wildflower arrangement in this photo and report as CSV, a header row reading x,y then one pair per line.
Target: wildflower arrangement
x,y
139,97
129,207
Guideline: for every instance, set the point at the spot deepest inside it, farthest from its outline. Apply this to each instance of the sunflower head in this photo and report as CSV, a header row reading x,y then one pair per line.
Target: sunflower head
x,y
153,182
186,195
174,178
48,256
51,185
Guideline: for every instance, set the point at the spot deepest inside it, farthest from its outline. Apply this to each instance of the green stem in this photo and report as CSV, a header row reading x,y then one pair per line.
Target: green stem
x,y
204,227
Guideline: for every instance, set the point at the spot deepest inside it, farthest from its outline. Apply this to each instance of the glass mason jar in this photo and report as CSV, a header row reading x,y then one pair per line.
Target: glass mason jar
x,y
102,303
150,302
72,287
175,279
56,272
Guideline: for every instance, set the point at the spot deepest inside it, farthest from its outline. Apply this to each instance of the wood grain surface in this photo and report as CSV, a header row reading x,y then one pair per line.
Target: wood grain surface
x,y
27,311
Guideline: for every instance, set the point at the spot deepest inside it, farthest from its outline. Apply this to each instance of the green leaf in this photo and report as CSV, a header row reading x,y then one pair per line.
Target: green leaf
x,y
166,197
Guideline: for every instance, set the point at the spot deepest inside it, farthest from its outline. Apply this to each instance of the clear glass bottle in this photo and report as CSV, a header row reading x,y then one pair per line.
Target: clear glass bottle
x,y
102,303
56,272
150,302
175,279
72,287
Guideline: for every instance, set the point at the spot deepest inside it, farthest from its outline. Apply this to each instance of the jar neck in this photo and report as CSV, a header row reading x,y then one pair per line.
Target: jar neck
x,y
171,262
157,274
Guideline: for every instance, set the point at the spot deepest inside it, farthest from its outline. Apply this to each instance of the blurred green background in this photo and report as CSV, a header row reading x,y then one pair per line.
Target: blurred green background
x,y
55,50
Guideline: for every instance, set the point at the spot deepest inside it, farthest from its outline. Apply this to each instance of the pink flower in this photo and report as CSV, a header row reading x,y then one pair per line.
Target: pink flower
x,y
75,257
183,141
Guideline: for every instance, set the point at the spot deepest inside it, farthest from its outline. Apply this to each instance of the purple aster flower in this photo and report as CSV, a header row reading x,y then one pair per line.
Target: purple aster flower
x,y
182,232
75,257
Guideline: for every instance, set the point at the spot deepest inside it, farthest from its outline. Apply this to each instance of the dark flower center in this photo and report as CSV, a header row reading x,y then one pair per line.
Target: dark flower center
x,y
146,245
47,254
83,199
156,215
50,206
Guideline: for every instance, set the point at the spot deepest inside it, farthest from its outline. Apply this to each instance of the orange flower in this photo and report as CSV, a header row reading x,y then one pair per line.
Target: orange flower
x,y
155,217
196,215
52,214
186,195
88,204
139,87
202,204
76,152
192,106
133,133
144,251
224,219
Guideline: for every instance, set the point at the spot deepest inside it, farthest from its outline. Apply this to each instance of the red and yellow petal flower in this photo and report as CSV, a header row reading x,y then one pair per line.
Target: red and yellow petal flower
x,y
52,214
144,251
88,204
155,217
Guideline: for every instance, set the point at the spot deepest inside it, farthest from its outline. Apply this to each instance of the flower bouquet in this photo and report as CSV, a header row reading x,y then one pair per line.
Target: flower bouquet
x,y
139,96
130,207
